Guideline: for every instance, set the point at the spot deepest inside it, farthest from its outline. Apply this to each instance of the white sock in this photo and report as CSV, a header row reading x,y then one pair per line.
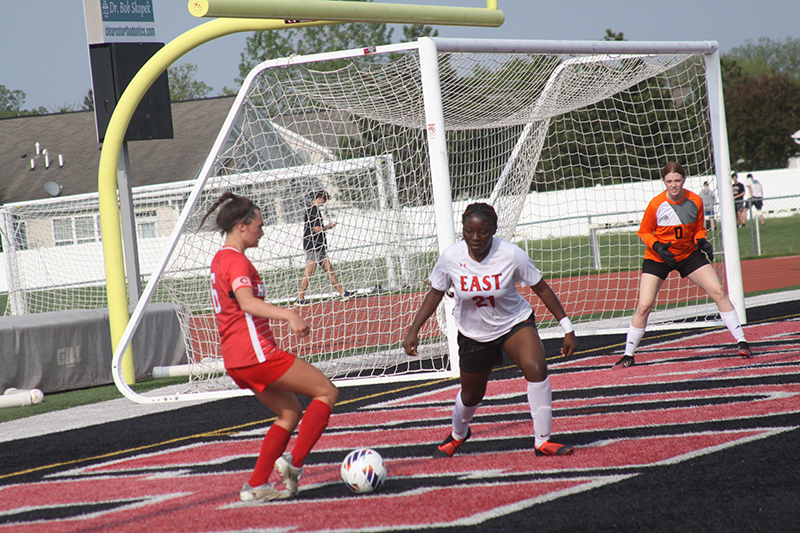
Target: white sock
x,y
633,339
462,415
731,319
540,400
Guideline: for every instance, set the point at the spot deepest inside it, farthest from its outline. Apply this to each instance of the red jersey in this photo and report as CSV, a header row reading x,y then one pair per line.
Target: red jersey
x,y
246,339
680,223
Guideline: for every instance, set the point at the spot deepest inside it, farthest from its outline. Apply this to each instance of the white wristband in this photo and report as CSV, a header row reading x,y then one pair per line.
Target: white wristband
x,y
566,325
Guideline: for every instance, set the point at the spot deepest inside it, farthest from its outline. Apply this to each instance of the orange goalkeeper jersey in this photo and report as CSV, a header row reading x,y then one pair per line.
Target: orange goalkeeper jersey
x,y
678,223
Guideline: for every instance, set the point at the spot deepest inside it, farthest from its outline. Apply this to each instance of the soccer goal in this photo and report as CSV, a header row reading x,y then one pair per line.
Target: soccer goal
x,y
565,139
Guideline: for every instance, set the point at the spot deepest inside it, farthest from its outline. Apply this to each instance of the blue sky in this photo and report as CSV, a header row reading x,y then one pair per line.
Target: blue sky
x,y
43,50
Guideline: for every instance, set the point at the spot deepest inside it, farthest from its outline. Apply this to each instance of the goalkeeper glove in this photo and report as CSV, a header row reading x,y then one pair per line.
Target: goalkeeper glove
x,y
663,251
706,247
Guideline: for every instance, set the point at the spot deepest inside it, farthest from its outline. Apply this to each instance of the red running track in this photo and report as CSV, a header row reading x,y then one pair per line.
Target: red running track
x,y
383,319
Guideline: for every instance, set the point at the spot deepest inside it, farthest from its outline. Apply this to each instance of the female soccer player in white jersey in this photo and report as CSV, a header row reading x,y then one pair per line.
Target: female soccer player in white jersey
x,y
673,230
492,317
253,359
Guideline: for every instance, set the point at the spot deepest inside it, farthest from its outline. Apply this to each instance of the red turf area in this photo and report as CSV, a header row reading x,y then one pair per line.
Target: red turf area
x,y
653,452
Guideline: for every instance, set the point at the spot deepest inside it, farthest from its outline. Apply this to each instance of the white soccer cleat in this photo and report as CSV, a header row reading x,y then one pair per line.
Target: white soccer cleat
x,y
289,473
263,492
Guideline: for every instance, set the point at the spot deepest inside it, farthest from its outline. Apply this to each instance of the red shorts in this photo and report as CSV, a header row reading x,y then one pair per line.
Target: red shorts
x,y
258,377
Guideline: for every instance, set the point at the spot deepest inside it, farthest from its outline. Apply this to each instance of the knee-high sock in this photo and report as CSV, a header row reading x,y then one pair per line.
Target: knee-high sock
x,y
462,415
271,448
633,339
731,319
540,400
314,422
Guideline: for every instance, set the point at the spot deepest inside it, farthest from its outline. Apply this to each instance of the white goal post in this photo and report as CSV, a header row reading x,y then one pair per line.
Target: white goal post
x,y
562,137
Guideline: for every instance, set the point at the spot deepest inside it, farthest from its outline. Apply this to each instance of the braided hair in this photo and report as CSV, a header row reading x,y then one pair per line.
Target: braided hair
x,y
483,211
238,209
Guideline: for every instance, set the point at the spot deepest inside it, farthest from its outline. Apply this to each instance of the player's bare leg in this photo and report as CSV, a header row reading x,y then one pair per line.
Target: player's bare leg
x,y
301,378
309,271
649,285
706,278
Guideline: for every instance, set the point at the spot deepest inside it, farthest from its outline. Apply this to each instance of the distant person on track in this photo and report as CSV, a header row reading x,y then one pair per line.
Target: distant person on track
x,y
707,195
492,319
756,199
316,248
253,359
738,200
673,230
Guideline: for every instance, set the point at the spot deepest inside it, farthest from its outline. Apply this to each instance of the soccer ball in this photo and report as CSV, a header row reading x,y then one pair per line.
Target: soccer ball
x,y
363,470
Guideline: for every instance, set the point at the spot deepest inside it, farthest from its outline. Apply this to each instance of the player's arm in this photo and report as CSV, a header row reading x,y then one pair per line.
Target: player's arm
x,y
647,227
326,227
553,304
428,307
257,307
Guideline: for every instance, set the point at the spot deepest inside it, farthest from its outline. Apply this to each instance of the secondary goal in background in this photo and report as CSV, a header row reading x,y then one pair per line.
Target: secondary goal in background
x,y
565,139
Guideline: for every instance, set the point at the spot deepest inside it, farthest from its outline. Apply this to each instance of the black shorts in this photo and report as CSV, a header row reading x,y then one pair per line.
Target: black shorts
x,y
475,356
739,205
695,260
758,203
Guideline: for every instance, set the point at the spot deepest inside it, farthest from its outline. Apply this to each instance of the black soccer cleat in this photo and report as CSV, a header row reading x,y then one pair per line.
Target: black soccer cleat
x,y
625,362
743,350
449,446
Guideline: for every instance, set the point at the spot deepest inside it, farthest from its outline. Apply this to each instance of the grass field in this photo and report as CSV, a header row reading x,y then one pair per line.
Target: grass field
x,y
778,238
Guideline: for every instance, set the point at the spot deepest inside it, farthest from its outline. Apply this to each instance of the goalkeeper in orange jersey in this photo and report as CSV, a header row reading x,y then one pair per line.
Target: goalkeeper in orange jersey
x,y
673,229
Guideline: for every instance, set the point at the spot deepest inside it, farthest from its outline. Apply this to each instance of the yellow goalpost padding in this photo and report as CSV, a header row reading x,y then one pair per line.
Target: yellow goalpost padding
x,y
298,13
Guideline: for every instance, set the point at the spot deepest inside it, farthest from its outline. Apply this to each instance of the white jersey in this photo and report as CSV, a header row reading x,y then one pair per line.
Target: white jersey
x,y
487,302
756,190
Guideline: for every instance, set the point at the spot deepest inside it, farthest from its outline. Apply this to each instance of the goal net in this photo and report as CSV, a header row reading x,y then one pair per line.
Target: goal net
x,y
566,145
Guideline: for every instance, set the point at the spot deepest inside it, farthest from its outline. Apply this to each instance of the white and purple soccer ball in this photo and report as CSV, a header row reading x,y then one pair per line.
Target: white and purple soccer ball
x,y
363,470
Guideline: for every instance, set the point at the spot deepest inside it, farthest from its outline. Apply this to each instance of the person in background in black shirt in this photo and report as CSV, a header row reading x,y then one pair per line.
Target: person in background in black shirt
x,y
316,248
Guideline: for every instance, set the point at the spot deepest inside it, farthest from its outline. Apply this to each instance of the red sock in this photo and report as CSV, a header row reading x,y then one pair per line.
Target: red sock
x,y
271,448
314,422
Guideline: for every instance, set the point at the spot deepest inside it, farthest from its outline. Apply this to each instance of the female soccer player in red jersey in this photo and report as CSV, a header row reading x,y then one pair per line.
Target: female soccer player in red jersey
x,y
674,231
253,359
492,318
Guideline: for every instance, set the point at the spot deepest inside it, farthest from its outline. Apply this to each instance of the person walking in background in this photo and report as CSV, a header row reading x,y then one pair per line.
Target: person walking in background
x,y
707,195
315,246
673,230
492,319
738,200
756,196
254,361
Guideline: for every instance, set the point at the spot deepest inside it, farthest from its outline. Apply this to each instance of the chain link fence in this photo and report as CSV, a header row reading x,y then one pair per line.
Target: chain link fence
x,y
771,228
